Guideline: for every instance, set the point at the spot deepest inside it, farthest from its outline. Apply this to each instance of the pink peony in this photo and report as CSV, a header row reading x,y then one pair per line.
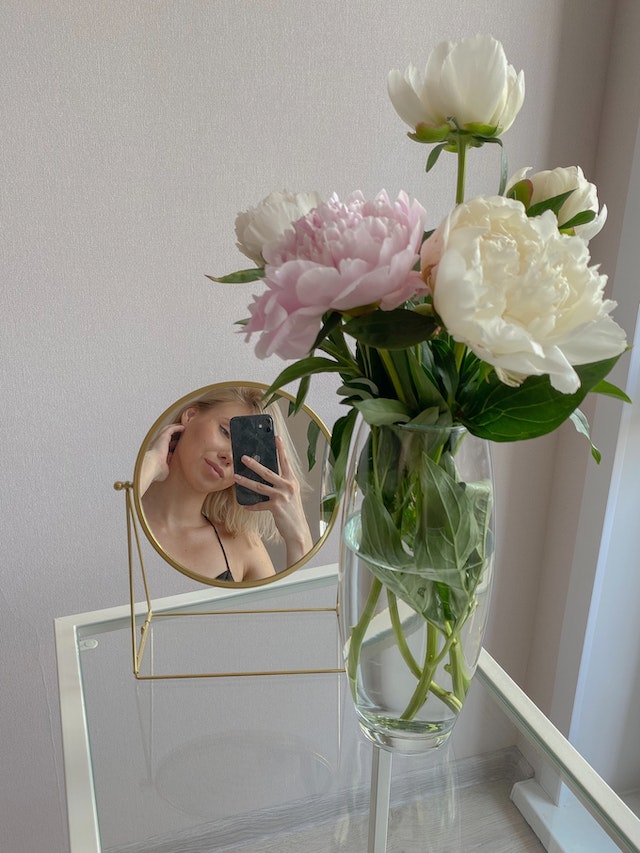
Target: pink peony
x,y
342,256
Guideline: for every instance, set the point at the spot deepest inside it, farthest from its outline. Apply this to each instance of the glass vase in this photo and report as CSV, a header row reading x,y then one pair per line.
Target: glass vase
x,y
416,565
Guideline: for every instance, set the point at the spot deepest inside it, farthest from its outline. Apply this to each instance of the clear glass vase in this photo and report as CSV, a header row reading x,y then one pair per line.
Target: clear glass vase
x,y
416,564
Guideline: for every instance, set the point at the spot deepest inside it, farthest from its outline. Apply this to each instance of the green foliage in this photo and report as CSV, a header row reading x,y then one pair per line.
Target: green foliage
x,y
501,413
423,532
396,329
554,203
582,426
581,218
240,276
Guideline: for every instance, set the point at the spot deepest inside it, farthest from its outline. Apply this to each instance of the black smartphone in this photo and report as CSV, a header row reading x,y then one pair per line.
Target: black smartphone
x,y
254,436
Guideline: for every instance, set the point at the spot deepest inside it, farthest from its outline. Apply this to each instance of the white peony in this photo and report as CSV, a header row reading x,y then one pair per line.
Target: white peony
x,y
470,82
520,294
553,182
270,219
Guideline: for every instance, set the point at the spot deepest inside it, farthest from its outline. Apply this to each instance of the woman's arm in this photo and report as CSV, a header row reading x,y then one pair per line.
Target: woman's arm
x,y
155,463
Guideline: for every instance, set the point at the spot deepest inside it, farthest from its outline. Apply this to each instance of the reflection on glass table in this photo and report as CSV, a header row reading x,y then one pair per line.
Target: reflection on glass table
x,y
277,762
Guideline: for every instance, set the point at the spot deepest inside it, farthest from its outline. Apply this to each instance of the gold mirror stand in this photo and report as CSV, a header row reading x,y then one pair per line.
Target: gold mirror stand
x,y
134,547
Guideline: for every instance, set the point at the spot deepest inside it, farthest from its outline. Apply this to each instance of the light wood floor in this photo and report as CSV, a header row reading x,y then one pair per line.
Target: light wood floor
x,y
429,814
489,823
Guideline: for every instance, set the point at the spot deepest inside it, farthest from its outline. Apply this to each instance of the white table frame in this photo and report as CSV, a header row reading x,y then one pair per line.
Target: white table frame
x,y
619,823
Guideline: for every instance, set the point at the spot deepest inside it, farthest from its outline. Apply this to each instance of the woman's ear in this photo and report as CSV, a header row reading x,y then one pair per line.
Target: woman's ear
x,y
188,414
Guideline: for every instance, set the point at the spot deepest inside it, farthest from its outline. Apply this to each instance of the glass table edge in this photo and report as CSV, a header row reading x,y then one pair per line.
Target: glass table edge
x,y
617,820
615,817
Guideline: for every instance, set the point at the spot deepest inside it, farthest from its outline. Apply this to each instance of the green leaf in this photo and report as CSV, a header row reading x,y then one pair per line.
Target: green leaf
x,y
554,203
432,159
359,388
498,412
433,416
390,372
340,444
305,367
425,381
301,395
610,390
333,320
579,219
380,412
419,584
397,329
422,531
239,277
581,424
446,368
313,431
522,191
447,532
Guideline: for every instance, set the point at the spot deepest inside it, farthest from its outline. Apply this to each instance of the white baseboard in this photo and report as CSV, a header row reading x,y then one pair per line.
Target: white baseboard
x,y
564,828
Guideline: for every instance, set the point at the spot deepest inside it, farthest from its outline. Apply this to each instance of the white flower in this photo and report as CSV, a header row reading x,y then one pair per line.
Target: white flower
x,y
519,293
470,82
553,182
270,219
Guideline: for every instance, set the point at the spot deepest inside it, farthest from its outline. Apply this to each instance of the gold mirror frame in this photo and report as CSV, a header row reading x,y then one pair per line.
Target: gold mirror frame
x,y
141,621
169,416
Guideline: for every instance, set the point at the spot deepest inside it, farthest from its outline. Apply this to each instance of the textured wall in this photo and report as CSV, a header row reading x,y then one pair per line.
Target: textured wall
x,y
132,133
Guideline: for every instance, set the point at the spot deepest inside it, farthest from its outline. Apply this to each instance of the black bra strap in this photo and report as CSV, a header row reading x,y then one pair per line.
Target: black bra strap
x,y
225,576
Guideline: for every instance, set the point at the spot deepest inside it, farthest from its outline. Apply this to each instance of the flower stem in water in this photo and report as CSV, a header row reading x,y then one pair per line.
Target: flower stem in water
x,y
358,631
403,647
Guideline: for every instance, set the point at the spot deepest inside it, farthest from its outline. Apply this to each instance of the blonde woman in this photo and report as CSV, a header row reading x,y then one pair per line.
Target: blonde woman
x,y
186,481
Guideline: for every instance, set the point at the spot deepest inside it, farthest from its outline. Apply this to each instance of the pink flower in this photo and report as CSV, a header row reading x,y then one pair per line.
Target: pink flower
x,y
351,257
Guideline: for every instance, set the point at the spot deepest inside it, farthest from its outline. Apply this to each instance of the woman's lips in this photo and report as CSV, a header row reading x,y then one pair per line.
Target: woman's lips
x,y
216,469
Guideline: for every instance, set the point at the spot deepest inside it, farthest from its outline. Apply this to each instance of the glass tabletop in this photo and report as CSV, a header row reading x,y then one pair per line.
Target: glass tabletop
x,y
276,762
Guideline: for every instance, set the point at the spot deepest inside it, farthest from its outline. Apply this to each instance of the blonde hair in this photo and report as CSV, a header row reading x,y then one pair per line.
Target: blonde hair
x,y
222,507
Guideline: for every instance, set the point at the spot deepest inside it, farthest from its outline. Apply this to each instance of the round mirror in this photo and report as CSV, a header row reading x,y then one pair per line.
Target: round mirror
x,y
230,491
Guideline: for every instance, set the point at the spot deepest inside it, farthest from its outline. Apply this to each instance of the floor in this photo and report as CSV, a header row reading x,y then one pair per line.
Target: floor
x,y
491,824
475,817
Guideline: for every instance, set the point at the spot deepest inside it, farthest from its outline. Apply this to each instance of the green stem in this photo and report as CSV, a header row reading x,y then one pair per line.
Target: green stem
x,y
457,666
462,164
358,632
432,660
457,669
459,352
393,374
403,647
452,700
447,697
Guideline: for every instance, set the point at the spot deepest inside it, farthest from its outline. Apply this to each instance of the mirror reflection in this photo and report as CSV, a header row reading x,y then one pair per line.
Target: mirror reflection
x,y
187,489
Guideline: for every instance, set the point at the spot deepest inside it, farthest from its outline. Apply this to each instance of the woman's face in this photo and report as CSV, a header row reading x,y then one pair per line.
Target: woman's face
x,y
203,452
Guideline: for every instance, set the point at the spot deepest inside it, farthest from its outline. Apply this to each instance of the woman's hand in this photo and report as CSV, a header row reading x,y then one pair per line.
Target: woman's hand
x,y
284,503
155,464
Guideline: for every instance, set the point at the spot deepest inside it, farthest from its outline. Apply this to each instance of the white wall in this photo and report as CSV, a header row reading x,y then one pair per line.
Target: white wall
x,y
132,133
608,687
578,531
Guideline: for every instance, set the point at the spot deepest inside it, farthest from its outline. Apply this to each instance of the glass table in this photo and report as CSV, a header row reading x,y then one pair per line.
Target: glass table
x,y
276,762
